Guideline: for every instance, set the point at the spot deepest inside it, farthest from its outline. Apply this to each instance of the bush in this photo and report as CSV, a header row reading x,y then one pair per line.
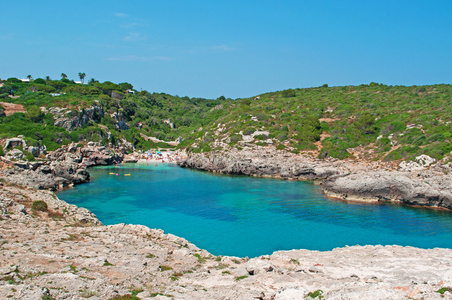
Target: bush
x,y
404,152
438,150
28,156
288,93
249,132
282,137
39,206
236,137
383,144
35,114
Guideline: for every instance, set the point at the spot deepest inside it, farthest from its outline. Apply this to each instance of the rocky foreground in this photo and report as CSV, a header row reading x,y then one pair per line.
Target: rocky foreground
x,y
64,252
424,182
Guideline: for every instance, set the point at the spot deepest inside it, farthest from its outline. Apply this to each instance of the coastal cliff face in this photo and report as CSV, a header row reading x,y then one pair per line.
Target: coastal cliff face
x,y
429,186
64,252
264,163
71,120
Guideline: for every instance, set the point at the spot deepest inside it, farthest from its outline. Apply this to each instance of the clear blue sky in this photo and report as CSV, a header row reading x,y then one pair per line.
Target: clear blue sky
x,y
231,48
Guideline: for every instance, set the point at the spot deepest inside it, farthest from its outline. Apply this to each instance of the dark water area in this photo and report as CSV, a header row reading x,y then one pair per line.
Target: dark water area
x,y
246,216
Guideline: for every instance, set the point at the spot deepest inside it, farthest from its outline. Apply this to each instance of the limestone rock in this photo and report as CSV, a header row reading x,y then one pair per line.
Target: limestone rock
x,y
72,120
14,142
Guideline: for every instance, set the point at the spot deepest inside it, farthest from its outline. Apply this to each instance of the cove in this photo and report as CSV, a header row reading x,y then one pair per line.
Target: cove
x,y
247,216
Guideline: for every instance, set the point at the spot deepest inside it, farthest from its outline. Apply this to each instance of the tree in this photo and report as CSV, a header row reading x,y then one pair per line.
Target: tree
x,y
125,86
47,78
64,76
82,76
35,114
29,77
39,81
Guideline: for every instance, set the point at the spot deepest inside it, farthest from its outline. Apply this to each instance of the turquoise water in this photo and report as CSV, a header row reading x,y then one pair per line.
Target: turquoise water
x,y
246,216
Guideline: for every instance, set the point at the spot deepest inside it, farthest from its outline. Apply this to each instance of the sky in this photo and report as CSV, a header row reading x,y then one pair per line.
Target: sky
x,y
229,48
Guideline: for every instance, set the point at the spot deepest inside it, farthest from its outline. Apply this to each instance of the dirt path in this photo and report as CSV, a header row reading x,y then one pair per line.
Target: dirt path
x,y
11,108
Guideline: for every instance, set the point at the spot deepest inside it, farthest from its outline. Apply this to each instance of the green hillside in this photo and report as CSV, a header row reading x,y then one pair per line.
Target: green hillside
x,y
408,120
151,114
383,122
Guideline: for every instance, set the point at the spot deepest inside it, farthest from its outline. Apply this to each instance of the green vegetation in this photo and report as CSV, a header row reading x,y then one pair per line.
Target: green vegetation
x,y
106,263
125,297
159,115
200,258
165,268
240,277
175,276
317,294
392,122
39,206
444,289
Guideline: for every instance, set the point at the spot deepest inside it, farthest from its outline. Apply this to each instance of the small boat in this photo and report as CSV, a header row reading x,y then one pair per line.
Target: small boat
x,y
111,173
126,174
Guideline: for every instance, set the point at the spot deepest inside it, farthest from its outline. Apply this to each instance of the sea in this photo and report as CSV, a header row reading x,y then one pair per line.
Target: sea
x,y
247,216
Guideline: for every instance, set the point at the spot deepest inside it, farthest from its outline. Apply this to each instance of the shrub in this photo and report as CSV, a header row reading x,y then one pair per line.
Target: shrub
x,y
438,150
236,137
282,137
404,152
39,206
383,144
249,132
288,93
35,114
28,156
165,268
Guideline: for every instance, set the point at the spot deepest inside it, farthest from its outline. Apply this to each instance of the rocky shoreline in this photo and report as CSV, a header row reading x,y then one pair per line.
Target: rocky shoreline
x,y
425,182
61,168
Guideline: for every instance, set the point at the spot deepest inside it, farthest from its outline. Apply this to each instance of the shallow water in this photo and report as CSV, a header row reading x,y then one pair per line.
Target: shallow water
x,y
246,216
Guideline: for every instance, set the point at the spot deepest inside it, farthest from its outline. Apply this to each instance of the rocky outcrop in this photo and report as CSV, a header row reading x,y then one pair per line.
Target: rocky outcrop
x,y
66,253
423,182
71,120
63,167
263,164
120,123
431,190
14,142
13,153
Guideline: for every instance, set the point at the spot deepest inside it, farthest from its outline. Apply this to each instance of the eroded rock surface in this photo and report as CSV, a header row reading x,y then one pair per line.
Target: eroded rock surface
x,y
264,163
63,167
